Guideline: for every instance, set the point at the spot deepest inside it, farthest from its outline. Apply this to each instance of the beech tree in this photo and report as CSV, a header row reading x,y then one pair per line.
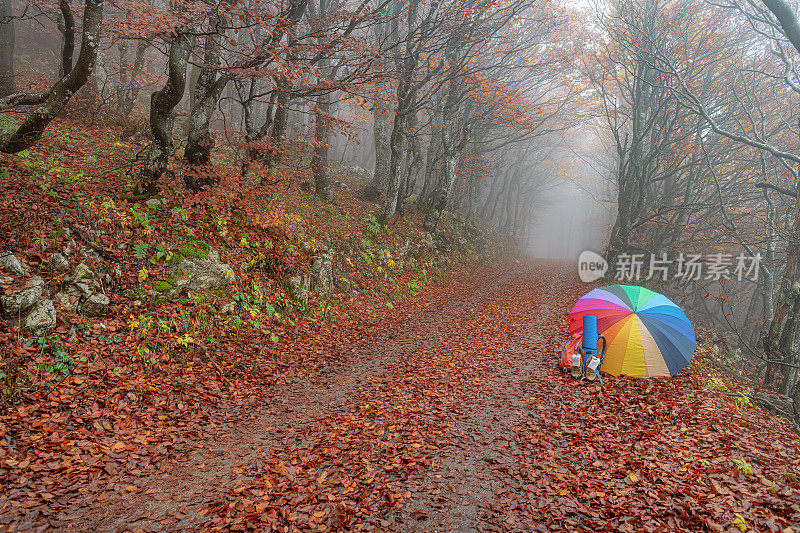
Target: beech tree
x,y
8,83
129,86
449,67
50,103
716,156
162,117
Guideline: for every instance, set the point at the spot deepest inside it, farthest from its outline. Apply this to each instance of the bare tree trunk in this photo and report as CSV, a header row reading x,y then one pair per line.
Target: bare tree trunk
x,y
787,17
68,35
129,88
32,128
406,103
193,70
319,162
494,215
8,83
278,113
380,178
782,328
434,214
493,191
413,165
279,122
277,116
162,116
474,192
253,134
207,93
452,148
633,177
511,192
393,188
619,240
432,172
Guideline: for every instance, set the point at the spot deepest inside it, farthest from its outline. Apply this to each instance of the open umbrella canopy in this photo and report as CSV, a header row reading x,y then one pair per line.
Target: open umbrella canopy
x,y
647,334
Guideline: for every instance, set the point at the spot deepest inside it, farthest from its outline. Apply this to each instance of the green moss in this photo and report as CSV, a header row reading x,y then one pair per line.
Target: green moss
x,y
133,294
194,249
178,275
161,286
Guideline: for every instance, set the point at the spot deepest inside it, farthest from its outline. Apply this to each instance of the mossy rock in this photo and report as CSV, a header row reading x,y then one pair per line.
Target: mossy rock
x,y
190,250
162,286
134,293
194,250
178,276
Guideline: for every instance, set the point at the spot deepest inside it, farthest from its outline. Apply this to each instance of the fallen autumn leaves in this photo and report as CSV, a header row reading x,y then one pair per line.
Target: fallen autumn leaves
x,y
444,414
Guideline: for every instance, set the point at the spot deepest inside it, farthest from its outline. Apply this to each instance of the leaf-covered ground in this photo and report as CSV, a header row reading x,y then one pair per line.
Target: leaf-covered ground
x,y
427,400
444,414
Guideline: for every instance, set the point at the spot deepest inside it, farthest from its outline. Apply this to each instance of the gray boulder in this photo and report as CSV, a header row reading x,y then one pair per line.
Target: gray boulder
x,y
82,273
86,281
427,243
20,300
79,287
41,320
84,289
72,336
205,273
96,305
164,291
13,265
70,297
322,274
344,285
298,289
59,262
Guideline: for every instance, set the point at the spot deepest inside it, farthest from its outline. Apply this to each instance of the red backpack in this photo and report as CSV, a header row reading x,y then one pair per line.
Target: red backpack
x,y
572,347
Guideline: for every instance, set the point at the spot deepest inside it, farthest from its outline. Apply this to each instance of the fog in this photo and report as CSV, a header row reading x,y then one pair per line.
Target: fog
x,y
578,212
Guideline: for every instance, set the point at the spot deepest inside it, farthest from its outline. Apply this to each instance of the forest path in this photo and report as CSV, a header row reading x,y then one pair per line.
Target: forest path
x,y
169,500
454,418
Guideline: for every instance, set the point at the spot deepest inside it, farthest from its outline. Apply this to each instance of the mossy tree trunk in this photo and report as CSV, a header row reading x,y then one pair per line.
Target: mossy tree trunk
x,y
162,116
8,84
432,170
319,162
31,130
207,92
377,185
413,165
455,136
67,27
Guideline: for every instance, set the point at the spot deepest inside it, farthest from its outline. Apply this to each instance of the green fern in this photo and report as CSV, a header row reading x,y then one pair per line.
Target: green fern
x,y
140,250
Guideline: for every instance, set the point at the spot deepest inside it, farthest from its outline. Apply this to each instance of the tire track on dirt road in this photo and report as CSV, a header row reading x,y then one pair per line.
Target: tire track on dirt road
x,y
231,454
469,489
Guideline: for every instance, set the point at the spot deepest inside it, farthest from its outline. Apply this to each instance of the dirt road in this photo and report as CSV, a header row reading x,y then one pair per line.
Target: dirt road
x,y
453,418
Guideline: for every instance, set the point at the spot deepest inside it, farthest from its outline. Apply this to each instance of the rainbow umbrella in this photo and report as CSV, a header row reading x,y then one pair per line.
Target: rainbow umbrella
x,y
647,334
